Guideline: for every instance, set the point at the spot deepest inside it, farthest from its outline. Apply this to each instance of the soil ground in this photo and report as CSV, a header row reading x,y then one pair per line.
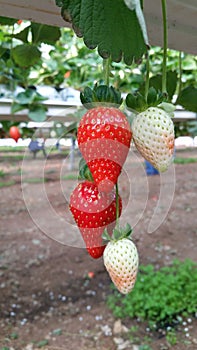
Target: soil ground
x,y
47,299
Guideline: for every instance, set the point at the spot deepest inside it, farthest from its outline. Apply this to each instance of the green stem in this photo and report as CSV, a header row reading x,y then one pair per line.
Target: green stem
x,y
106,69
147,76
165,46
180,73
117,205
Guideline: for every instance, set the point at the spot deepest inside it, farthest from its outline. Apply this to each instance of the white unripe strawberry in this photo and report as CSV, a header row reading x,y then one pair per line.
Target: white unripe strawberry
x,y
153,135
121,261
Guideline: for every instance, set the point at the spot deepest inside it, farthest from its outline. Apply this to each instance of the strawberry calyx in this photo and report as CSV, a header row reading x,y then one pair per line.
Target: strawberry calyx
x,y
104,94
169,108
139,103
84,171
118,233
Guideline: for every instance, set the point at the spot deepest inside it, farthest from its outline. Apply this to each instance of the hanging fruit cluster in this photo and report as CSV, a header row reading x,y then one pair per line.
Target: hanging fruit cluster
x,y
104,137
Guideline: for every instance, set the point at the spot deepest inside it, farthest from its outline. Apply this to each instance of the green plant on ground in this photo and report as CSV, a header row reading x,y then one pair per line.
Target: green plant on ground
x,y
2,173
160,296
145,347
8,183
171,337
180,160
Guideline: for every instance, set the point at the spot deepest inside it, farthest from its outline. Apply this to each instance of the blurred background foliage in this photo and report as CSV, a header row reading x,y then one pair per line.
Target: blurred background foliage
x,y
64,60
33,54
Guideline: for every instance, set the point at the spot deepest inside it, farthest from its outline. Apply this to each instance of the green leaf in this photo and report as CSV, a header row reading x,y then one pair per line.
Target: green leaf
x,y
188,98
116,234
152,96
137,6
156,82
2,51
38,97
84,171
131,101
26,55
100,93
45,33
189,64
42,343
105,235
14,335
127,229
115,30
59,3
23,35
141,102
37,113
57,331
7,21
25,97
168,108
17,107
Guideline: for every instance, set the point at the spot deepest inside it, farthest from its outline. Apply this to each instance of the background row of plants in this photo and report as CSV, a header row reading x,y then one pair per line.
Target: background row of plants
x,y
33,54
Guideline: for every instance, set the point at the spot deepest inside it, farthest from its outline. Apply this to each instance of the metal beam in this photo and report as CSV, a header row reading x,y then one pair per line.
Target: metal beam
x,y
65,112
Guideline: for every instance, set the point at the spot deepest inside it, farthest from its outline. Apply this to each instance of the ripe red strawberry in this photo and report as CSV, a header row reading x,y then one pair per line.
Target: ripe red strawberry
x,y
14,133
93,212
104,137
121,261
153,135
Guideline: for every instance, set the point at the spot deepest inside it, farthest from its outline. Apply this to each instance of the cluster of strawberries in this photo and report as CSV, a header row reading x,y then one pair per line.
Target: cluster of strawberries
x,y
104,137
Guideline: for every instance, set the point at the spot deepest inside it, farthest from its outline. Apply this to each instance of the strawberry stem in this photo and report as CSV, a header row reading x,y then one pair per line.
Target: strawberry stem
x,y
147,75
165,46
106,69
180,73
117,206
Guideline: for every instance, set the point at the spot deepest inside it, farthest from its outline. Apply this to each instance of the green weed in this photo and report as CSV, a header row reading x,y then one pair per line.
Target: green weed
x,y
180,160
7,183
70,177
159,296
171,337
34,180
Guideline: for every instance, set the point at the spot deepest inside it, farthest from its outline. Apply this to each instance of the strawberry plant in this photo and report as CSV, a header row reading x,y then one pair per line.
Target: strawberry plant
x,y
104,136
30,99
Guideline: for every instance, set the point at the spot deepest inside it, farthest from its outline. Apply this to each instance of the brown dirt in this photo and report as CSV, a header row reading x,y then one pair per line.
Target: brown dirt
x,y
45,292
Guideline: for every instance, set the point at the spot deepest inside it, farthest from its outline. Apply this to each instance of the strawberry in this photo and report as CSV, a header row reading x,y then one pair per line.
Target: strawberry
x,y
121,261
14,133
104,137
153,135
93,212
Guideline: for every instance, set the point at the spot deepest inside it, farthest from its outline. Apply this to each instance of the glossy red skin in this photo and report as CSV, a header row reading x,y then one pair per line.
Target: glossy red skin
x,y
93,212
104,137
14,133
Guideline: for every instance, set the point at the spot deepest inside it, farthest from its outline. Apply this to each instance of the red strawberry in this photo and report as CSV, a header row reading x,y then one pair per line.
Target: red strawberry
x,y
14,133
104,137
93,212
